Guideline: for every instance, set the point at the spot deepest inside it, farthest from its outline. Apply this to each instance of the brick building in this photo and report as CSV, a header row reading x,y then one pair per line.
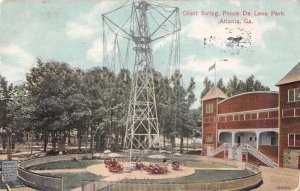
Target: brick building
x,y
261,127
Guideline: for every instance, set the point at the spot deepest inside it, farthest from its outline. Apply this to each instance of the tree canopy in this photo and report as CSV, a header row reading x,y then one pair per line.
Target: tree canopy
x,y
58,101
235,86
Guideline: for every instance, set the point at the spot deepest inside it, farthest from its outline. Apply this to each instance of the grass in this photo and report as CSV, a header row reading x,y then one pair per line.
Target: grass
x,y
205,164
73,180
201,176
78,164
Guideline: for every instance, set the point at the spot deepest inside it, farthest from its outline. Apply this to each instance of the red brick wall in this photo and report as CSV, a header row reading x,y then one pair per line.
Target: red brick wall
x,y
249,101
254,160
270,151
220,155
249,124
289,124
209,127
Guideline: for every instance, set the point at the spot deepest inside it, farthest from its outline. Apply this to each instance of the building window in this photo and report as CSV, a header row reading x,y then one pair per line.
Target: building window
x,y
242,117
294,140
208,138
273,141
294,95
209,108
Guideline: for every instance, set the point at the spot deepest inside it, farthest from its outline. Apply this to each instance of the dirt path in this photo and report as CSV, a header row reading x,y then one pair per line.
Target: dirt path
x,y
99,169
279,179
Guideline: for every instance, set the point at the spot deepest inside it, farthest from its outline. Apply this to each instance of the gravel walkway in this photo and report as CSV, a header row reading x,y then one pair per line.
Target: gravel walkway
x,y
276,179
100,169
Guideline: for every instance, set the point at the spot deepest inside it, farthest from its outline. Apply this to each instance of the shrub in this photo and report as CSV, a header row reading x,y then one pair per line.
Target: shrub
x,y
52,152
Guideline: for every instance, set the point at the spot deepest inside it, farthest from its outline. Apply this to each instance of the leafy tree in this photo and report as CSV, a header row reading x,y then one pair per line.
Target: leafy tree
x,y
233,86
50,84
221,85
207,86
6,96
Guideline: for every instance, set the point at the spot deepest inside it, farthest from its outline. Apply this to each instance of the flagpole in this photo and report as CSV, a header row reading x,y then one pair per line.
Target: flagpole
x,y
215,73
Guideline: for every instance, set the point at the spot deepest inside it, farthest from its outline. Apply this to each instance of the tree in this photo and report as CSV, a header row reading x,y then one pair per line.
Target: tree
x,y
207,86
236,86
233,86
221,85
6,95
50,84
184,98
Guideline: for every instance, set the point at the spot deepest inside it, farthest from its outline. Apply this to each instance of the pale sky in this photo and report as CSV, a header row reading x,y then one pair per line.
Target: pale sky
x,y
71,31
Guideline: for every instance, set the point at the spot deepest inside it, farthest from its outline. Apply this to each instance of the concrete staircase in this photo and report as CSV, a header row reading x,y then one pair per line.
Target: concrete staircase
x,y
260,156
250,149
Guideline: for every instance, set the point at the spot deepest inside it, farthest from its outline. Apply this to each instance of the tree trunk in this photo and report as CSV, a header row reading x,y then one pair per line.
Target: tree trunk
x,y
13,142
9,155
164,141
172,143
45,141
98,141
53,140
4,142
187,143
92,140
79,139
69,138
181,144
64,140
86,139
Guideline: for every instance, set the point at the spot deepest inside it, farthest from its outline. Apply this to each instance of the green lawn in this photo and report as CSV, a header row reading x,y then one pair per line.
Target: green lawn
x,y
78,164
214,175
73,180
205,164
201,176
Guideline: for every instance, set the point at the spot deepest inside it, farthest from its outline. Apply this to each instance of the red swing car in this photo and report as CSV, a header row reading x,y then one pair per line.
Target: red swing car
x,y
113,165
175,165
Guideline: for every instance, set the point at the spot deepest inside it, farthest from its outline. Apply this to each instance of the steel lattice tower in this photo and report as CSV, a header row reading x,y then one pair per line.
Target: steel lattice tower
x,y
142,131
142,123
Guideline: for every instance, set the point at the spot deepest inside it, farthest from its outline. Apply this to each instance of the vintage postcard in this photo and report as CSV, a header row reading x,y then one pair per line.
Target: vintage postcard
x,y
138,95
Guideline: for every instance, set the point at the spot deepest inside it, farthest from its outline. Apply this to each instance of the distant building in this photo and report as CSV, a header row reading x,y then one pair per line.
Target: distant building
x,y
260,127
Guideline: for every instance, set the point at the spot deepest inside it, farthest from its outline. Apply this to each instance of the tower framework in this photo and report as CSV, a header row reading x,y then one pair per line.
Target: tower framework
x,y
142,128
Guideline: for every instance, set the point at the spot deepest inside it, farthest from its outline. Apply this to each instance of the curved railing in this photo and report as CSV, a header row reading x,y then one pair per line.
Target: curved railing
x,y
43,182
244,183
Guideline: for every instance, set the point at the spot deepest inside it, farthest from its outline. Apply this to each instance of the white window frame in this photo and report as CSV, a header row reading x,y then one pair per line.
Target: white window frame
x,y
294,95
298,89
209,105
206,140
294,139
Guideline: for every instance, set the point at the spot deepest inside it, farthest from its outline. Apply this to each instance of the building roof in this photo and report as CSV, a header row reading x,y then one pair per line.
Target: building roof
x,y
248,93
292,76
213,93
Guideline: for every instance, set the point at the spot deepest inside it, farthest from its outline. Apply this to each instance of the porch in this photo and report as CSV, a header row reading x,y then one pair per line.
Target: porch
x,y
264,140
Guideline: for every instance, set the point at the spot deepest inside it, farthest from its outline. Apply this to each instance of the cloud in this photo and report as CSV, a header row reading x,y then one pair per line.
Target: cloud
x,y
1,1
235,2
20,62
161,43
88,27
95,52
231,66
77,31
